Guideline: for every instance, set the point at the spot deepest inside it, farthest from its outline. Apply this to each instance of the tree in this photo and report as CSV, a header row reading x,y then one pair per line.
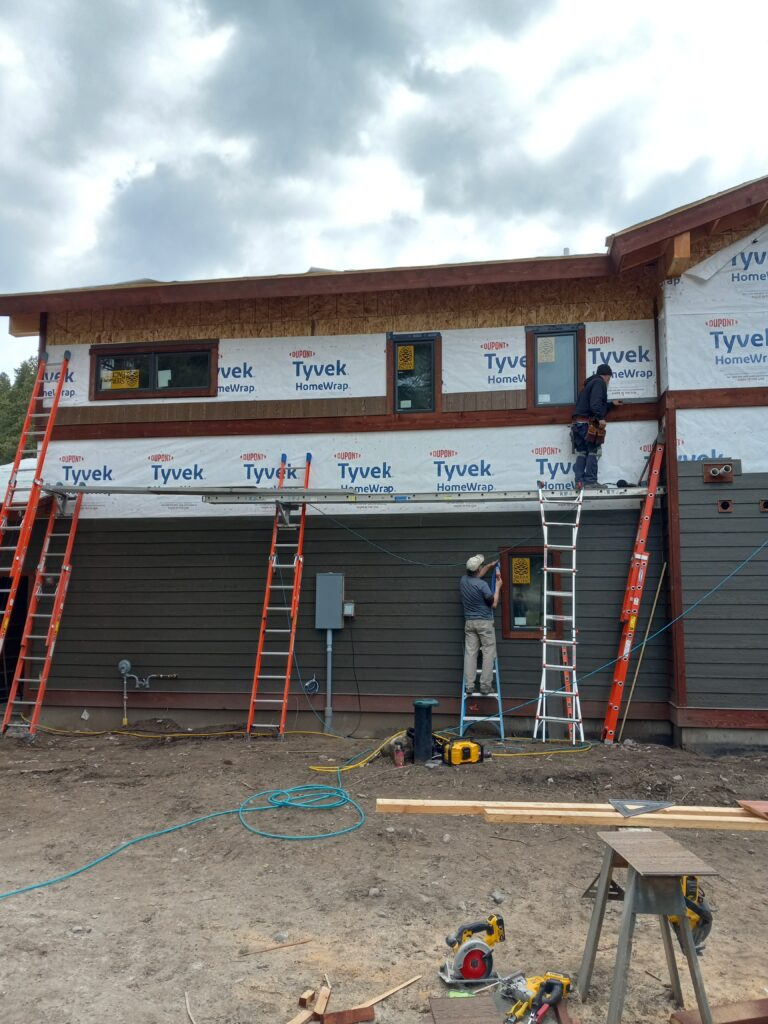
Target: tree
x,y
14,400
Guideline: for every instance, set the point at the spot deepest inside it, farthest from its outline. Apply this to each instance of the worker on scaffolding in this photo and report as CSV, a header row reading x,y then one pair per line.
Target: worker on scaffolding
x,y
479,602
588,422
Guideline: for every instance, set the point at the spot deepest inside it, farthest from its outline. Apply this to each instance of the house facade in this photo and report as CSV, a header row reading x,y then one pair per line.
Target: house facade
x,y
455,380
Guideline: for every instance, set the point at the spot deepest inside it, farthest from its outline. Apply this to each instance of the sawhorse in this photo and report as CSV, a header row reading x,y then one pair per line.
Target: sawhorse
x,y
655,866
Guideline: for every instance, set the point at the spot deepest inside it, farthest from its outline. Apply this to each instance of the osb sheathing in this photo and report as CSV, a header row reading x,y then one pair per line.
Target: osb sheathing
x,y
707,244
629,297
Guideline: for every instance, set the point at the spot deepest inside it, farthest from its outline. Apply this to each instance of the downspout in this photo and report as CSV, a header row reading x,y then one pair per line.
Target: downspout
x,y
328,716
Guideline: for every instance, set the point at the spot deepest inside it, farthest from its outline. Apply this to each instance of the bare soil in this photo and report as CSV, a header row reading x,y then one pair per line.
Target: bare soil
x,y
190,911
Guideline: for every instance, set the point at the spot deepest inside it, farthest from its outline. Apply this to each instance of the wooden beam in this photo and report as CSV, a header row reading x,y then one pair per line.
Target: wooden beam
x,y
677,255
639,257
753,1011
24,325
353,1015
598,815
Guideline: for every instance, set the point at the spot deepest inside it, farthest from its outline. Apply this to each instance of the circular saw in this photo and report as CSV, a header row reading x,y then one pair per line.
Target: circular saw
x,y
698,912
472,959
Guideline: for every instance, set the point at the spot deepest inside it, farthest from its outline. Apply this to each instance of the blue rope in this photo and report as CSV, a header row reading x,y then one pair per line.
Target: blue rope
x,y
306,798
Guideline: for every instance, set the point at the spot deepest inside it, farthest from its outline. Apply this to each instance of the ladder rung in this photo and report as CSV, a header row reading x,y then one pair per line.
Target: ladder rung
x,y
274,654
40,615
278,608
561,547
561,643
560,668
269,700
286,545
25,679
268,676
265,725
277,631
24,703
559,618
559,593
281,586
559,568
31,657
552,718
283,565
482,718
32,637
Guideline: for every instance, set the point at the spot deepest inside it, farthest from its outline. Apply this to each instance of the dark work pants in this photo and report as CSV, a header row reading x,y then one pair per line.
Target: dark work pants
x,y
585,465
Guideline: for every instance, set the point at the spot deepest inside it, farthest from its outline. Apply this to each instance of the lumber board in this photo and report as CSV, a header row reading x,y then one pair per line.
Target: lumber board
x,y
751,1011
307,997
321,1003
404,806
758,807
304,1017
354,1015
602,819
391,991
601,815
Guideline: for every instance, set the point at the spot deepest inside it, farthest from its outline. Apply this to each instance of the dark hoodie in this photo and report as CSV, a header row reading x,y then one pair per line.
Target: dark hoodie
x,y
593,399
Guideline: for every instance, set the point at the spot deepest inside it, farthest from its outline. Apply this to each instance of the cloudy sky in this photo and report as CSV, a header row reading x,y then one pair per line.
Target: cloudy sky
x,y
186,139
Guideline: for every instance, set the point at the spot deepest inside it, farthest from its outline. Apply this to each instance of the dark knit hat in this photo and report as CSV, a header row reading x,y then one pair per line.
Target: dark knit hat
x,y
604,370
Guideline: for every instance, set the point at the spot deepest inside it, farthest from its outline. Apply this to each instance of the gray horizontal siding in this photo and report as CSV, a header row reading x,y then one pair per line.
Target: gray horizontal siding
x,y
726,637
185,596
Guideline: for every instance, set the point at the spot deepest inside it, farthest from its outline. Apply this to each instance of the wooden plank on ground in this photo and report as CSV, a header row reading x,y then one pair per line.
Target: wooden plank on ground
x,y
751,1011
307,997
321,1003
758,807
404,806
391,991
603,819
477,1010
354,1015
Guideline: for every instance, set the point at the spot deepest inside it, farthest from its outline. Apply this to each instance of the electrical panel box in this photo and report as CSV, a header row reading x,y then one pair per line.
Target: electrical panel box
x,y
329,600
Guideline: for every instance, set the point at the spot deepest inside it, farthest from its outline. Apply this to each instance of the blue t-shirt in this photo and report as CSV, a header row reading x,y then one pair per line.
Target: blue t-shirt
x,y
476,598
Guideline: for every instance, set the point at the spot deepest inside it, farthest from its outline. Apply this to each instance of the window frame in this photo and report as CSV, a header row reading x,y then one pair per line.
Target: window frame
x,y
395,338
508,630
580,360
154,349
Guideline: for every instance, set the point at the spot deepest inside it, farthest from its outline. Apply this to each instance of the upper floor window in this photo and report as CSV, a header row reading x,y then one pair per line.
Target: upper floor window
x,y
553,354
415,373
185,370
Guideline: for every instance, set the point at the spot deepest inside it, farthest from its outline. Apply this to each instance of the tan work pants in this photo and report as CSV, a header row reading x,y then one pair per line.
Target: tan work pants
x,y
479,634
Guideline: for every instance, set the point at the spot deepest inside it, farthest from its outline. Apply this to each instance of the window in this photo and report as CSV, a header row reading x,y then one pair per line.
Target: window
x,y
415,373
143,371
553,352
523,593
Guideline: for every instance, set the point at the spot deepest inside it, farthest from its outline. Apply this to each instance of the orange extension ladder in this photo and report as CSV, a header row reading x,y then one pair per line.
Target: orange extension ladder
x,y
279,618
633,595
54,571
17,516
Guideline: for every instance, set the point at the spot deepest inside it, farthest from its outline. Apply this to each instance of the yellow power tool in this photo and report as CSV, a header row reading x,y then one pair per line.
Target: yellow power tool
x,y
697,910
472,960
534,996
458,751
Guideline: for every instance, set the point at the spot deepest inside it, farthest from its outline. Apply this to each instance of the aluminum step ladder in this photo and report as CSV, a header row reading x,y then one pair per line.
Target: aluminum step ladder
x,y
21,501
633,594
560,519
280,611
495,717
41,629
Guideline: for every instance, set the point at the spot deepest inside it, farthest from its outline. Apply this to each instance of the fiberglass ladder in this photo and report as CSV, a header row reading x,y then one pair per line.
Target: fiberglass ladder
x,y
41,628
466,720
633,595
21,501
558,678
279,618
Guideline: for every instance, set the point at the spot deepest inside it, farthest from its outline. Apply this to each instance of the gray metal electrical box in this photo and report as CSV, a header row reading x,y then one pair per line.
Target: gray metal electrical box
x,y
329,600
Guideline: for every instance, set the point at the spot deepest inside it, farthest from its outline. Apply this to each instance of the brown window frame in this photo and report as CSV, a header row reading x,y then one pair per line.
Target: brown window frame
x,y
531,333
156,348
508,631
396,337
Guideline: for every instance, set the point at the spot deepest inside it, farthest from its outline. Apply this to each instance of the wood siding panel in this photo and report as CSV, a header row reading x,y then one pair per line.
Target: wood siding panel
x,y
726,638
185,596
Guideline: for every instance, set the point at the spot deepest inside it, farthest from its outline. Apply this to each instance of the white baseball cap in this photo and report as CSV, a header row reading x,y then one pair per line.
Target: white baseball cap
x,y
474,563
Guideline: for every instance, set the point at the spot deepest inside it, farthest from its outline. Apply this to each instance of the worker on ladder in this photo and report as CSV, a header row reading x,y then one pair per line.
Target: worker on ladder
x,y
479,602
588,425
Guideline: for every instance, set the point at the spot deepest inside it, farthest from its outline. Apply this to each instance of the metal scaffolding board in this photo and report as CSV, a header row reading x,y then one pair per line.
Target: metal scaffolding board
x,y
237,495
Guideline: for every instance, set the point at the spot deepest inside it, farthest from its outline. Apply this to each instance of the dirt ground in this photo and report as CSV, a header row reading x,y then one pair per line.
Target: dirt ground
x,y
189,911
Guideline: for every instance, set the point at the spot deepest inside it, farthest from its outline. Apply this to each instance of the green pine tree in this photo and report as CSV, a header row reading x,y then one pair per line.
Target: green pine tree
x,y
14,400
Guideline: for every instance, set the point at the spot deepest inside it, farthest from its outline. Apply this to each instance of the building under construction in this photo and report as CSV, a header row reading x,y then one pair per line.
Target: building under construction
x,y
432,401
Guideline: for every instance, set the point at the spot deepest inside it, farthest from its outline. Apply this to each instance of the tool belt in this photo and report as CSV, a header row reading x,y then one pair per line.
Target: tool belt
x,y
595,432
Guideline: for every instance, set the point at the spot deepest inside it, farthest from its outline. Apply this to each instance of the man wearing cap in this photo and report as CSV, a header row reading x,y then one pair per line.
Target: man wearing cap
x,y
588,425
479,631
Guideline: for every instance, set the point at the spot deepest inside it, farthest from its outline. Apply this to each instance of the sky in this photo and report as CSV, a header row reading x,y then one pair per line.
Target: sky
x,y
185,139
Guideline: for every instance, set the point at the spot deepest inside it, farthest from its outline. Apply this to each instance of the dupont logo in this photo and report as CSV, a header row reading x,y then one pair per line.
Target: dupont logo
x,y
253,457
600,339
162,457
443,453
70,458
347,456
548,450
494,346
302,353
721,321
